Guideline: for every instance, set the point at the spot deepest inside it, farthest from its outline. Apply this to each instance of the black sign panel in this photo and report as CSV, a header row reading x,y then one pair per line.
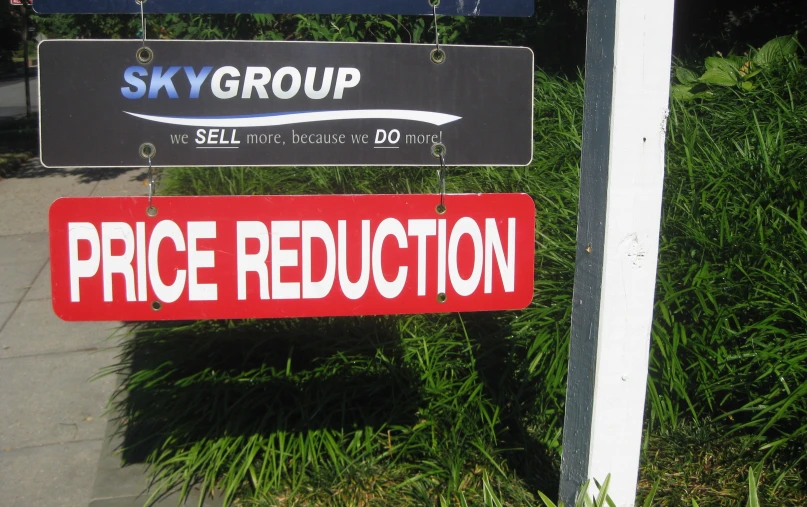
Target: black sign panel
x,y
237,103
413,7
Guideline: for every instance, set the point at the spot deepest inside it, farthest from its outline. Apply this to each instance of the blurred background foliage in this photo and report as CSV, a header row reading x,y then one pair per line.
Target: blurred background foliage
x,y
556,32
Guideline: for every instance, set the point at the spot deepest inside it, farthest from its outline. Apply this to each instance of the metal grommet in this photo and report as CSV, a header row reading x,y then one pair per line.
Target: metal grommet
x,y
151,211
440,209
148,150
145,54
156,306
438,150
438,56
441,298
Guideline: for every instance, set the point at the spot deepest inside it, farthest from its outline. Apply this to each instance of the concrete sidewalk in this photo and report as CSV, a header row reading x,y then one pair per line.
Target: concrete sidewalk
x,y
52,422
12,96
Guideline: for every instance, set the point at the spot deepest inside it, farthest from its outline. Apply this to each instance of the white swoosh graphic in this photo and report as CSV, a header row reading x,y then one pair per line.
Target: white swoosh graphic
x,y
308,117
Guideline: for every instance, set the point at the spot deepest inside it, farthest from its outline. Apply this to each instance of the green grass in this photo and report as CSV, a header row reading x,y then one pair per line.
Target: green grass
x,y
467,409
450,408
730,335
302,408
699,462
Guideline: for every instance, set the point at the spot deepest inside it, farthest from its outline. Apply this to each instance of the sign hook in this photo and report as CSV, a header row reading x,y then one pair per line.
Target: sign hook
x,y
151,210
439,151
437,55
144,54
148,150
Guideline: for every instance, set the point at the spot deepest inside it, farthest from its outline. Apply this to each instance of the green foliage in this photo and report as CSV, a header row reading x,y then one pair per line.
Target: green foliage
x,y
345,28
737,71
700,462
585,498
467,410
729,337
300,408
447,409
559,23
84,26
776,51
257,411
753,498
556,32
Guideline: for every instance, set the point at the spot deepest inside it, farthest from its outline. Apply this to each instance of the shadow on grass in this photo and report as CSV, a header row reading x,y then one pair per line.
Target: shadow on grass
x,y
191,383
264,377
500,362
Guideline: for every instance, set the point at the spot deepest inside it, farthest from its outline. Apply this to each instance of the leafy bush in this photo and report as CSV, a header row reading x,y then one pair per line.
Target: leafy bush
x,y
734,70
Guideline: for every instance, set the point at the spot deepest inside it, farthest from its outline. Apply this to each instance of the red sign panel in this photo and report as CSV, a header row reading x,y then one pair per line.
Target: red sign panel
x,y
290,256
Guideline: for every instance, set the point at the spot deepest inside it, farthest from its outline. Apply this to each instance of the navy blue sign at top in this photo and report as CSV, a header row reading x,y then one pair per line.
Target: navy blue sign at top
x,y
411,7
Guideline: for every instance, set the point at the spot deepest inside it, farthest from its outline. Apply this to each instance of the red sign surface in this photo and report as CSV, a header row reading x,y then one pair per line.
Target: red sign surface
x,y
289,256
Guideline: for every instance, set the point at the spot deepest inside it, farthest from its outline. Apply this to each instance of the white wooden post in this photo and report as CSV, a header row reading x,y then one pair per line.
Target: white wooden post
x,y
629,44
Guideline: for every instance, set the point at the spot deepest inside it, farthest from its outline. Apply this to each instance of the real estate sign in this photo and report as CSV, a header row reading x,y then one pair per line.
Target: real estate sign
x,y
290,256
236,103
